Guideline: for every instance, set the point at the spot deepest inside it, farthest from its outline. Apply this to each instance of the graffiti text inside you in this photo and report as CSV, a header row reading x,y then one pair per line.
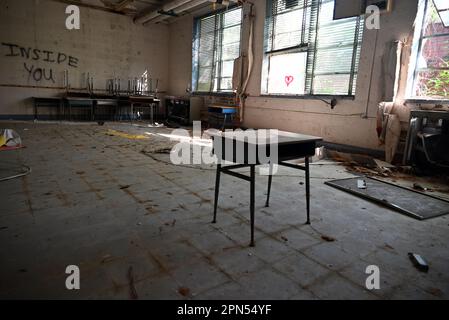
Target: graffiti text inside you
x,y
29,53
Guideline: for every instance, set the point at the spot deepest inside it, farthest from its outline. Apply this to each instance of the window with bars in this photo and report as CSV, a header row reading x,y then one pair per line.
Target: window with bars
x,y
307,52
429,67
216,45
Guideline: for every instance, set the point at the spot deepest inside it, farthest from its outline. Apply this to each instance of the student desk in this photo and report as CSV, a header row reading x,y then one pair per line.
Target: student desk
x,y
47,102
245,153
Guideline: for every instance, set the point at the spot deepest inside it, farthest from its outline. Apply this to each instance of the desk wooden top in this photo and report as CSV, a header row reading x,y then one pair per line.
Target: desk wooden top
x,y
283,137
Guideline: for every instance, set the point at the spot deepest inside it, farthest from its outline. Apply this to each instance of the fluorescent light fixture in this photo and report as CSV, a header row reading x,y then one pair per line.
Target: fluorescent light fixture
x,y
444,15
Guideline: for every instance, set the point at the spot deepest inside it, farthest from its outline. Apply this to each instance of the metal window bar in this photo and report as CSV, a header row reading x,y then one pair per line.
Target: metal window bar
x,y
354,65
424,21
311,54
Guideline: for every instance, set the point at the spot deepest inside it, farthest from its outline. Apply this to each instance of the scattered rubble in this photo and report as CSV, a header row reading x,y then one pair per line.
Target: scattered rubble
x,y
328,238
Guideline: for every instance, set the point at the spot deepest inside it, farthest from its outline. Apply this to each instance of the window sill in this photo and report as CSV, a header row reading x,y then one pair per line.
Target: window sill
x,y
215,94
307,97
427,101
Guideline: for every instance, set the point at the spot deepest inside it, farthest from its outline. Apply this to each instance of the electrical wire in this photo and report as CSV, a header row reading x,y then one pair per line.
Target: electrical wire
x,y
27,172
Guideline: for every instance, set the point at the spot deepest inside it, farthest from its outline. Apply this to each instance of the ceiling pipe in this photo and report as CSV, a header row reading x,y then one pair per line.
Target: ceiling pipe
x,y
155,13
190,5
178,10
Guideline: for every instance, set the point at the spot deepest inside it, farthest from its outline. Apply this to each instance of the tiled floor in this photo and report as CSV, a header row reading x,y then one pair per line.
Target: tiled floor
x,y
97,201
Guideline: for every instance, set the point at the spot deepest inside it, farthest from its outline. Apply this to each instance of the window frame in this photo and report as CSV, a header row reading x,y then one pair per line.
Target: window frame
x,y
196,45
304,48
417,46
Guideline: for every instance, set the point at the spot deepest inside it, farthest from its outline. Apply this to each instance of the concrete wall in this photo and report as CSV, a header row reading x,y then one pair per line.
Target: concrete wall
x,y
180,56
107,45
345,124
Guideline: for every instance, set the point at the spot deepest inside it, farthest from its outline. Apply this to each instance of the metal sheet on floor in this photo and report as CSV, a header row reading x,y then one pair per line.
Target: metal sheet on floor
x,y
407,201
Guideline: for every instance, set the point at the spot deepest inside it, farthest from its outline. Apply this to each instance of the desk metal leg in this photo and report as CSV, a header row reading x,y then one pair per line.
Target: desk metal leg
x,y
252,197
270,177
307,189
217,187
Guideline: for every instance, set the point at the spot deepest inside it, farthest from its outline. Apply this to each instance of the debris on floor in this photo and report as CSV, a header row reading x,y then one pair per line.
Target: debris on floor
x,y
106,258
327,238
405,176
419,187
122,134
184,291
171,223
361,184
418,262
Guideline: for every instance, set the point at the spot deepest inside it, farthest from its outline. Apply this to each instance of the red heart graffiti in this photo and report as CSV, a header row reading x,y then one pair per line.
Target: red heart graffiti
x,y
288,80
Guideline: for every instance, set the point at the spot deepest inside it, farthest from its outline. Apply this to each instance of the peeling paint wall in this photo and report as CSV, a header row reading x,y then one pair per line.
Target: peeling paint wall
x,y
345,124
106,46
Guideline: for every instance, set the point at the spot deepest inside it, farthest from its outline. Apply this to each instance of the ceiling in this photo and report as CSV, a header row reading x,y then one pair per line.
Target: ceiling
x,y
133,8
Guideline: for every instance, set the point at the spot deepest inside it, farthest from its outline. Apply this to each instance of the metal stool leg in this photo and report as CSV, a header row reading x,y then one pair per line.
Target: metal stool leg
x,y
152,114
307,189
253,176
224,123
217,188
270,177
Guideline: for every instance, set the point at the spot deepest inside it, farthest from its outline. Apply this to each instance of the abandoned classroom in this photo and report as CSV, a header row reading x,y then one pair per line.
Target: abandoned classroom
x,y
224,149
